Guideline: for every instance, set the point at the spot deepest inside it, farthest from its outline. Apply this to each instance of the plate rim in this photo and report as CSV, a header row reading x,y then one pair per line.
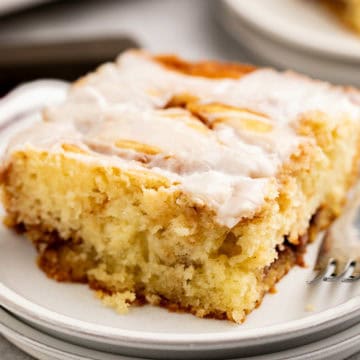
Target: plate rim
x,y
34,313
19,329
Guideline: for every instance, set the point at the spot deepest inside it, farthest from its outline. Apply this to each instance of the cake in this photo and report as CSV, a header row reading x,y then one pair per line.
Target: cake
x,y
190,185
348,11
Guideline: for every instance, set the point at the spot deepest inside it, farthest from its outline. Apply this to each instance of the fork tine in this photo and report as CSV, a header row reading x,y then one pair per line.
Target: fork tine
x,y
350,277
330,275
326,274
347,271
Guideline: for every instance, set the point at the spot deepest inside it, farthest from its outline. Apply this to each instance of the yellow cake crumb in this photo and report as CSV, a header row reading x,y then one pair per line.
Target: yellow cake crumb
x,y
120,301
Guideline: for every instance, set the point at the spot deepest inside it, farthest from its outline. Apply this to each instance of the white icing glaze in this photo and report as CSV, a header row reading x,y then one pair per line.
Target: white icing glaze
x,y
230,170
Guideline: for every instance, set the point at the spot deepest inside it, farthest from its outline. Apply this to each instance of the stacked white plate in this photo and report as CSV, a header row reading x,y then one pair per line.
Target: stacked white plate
x,y
65,321
296,34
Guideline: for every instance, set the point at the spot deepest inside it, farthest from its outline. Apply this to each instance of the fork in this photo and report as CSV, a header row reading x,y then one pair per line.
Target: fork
x,y
339,256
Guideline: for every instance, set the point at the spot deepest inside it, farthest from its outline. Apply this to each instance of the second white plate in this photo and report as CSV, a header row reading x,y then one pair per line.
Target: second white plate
x,y
263,28
304,24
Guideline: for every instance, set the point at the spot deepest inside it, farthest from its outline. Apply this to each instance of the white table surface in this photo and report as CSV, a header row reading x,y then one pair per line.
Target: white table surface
x,y
185,27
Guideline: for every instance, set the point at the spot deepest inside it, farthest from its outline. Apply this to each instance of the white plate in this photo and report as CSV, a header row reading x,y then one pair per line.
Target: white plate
x,y
45,347
271,50
300,23
73,313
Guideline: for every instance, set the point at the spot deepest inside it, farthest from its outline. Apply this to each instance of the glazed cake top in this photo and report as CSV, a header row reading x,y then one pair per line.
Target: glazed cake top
x,y
219,139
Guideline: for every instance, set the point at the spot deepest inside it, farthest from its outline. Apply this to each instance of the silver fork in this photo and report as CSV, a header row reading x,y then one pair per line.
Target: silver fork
x,y
339,256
